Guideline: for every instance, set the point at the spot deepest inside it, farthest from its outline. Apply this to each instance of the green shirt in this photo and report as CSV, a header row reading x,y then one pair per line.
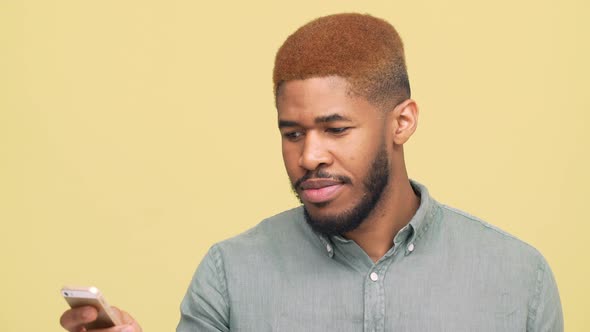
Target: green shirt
x,y
447,271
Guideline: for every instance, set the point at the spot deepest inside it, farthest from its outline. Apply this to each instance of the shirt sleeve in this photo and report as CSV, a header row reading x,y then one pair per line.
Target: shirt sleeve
x,y
205,305
545,314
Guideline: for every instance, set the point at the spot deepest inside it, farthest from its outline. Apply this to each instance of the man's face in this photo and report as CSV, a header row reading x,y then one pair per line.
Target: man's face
x,y
334,149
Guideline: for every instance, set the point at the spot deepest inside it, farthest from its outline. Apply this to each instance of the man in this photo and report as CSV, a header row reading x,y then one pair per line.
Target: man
x,y
369,250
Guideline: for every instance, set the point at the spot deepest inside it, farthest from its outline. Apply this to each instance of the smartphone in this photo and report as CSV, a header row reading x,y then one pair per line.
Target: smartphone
x,y
83,296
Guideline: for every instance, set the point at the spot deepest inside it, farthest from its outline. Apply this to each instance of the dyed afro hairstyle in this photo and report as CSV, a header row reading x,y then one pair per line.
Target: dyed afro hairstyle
x,y
365,50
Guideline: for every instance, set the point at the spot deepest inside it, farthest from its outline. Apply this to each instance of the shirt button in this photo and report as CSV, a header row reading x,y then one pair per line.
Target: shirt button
x,y
374,276
410,247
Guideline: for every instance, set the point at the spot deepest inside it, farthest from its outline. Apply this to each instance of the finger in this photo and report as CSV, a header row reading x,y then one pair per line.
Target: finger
x,y
127,319
118,328
74,319
119,313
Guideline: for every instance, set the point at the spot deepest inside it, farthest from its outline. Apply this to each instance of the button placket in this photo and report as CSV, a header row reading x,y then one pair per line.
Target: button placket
x,y
374,298
374,276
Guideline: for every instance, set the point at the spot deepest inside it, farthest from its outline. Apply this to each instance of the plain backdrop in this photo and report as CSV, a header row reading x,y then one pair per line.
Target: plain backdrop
x,y
135,134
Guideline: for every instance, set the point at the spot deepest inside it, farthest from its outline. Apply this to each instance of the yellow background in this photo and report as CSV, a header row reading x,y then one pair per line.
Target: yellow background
x,y
135,134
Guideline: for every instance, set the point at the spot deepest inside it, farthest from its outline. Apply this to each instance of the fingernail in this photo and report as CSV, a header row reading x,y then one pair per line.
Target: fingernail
x,y
127,328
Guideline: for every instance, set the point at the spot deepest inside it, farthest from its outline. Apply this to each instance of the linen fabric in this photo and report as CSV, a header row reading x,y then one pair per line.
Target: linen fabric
x,y
446,271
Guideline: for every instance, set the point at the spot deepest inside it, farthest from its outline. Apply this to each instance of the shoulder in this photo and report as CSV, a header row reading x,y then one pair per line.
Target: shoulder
x,y
279,225
469,232
281,233
470,243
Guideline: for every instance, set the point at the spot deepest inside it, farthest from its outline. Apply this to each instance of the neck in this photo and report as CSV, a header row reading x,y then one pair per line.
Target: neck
x,y
395,209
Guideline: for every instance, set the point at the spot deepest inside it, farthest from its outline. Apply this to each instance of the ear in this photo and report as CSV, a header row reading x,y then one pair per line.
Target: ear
x,y
404,121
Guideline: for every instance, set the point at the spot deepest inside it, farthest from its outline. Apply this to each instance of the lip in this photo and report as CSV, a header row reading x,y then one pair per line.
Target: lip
x,y
320,191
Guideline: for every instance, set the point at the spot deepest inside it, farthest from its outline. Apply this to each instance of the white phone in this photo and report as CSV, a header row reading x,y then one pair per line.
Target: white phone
x,y
83,296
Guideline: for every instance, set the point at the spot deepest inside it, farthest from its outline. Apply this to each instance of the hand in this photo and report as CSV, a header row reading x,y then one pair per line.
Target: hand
x,y
74,320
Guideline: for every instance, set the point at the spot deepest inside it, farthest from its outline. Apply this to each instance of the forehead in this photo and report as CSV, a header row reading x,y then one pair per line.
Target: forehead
x,y
319,96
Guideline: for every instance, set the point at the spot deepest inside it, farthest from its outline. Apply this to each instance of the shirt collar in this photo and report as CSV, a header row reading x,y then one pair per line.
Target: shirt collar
x,y
423,217
410,234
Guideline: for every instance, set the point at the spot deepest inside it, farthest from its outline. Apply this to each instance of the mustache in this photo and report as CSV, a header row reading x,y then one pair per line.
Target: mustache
x,y
321,174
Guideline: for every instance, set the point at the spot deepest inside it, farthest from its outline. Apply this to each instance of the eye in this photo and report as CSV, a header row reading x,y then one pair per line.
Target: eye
x,y
338,130
292,135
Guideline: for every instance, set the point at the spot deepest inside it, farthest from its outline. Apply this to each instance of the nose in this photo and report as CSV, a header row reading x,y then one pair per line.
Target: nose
x,y
314,153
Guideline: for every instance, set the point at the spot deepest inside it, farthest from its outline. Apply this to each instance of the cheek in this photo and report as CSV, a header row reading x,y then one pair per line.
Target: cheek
x,y
358,153
291,161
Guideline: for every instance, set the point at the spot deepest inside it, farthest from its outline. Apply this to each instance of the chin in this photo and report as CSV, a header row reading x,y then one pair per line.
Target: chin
x,y
332,223
324,209
328,210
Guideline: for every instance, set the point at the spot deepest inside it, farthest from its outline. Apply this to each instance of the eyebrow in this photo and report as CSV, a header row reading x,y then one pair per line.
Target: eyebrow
x,y
320,119
331,118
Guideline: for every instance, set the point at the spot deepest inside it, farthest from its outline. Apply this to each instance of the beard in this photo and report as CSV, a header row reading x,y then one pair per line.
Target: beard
x,y
374,184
